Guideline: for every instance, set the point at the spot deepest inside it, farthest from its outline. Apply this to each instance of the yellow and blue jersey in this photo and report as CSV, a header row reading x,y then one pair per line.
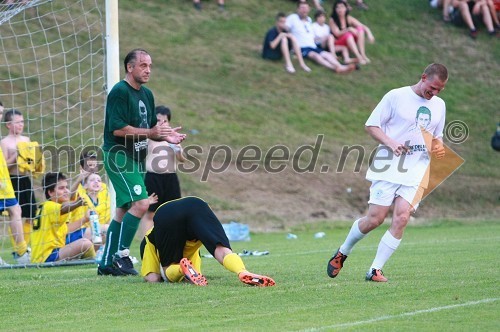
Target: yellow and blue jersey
x,y
49,231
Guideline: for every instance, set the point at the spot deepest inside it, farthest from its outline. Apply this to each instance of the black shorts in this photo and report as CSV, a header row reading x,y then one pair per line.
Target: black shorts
x,y
181,220
166,186
25,195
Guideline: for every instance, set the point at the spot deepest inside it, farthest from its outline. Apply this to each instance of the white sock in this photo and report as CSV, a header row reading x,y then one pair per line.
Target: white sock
x,y
388,244
352,238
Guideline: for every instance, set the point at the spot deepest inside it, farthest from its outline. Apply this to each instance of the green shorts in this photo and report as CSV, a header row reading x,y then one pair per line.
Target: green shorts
x,y
127,177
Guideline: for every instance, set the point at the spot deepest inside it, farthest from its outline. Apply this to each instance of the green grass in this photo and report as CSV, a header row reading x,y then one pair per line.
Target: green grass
x,y
443,277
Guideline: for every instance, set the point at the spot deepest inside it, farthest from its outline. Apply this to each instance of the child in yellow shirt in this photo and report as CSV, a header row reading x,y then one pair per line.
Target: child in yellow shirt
x,y
50,226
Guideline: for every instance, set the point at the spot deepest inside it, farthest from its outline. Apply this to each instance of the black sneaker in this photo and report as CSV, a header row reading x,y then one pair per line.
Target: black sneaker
x,y
335,264
124,264
109,271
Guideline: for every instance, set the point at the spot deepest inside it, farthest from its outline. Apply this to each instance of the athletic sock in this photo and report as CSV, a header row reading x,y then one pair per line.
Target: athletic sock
x,y
174,273
21,248
233,263
388,244
192,252
27,229
130,223
352,238
111,247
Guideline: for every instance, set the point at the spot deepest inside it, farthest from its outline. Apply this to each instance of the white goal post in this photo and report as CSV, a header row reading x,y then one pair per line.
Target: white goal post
x,y
58,59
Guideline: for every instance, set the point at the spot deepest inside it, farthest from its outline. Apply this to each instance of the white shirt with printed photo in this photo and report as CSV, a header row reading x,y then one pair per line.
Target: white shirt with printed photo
x,y
402,115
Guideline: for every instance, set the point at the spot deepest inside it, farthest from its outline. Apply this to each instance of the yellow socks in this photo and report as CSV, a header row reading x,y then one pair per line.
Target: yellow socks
x,y
174,273
20,248
233,263
27,229
192,252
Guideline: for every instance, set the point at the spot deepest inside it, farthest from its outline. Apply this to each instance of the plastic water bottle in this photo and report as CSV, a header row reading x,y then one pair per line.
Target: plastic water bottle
x,y
96,227
99,254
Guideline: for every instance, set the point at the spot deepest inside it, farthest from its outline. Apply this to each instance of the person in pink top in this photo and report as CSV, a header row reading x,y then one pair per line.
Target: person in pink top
x,y
349,31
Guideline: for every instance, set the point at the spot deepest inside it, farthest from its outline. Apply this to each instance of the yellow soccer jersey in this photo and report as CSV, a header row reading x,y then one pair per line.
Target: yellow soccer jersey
x,y
49,231
6,189
103,206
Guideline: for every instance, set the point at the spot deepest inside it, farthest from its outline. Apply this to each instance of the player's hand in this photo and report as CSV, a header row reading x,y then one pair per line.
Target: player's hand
x,y
175,137
79,201
438,149
398,149
153,198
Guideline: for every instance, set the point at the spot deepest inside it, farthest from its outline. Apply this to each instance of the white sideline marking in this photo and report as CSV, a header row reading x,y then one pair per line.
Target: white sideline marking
x,y
406,314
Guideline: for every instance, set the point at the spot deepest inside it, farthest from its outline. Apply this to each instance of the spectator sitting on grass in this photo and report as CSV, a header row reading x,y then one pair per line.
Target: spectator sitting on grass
x,y
278,43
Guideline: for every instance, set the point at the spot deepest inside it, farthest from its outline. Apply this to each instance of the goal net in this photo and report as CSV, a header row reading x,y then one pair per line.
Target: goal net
x,y
52,70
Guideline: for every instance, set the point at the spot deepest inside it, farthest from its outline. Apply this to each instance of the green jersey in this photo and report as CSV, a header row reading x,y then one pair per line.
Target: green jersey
x,y
126,106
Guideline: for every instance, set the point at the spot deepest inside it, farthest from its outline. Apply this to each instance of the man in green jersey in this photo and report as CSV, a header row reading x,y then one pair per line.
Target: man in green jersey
x,y
130,122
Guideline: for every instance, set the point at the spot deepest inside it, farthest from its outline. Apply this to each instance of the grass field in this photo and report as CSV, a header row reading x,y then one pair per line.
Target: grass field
x,y
207,68
444,277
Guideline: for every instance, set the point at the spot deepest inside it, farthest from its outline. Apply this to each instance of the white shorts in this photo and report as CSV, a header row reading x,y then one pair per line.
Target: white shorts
x,y
383,193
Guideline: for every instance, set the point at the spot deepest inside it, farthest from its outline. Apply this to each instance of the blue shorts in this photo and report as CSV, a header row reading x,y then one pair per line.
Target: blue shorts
x,y
306,50
76,235
7,203
53,256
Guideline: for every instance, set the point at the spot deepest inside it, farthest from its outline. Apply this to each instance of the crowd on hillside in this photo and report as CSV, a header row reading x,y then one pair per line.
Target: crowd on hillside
x,y
324,40
471,14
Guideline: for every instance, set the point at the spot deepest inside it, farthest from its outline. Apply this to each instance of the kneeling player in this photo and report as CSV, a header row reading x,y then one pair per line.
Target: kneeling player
x,y
171,249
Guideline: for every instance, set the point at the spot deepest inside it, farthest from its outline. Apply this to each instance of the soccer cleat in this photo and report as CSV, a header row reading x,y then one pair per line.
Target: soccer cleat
x,y
123,262
335,264
109,271
255,279
23,259
191,274
375,275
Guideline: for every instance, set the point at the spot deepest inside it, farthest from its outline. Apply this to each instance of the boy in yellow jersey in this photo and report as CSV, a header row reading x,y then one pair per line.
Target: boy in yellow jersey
x,y
9,202
50,225
94,192
20,177
171,249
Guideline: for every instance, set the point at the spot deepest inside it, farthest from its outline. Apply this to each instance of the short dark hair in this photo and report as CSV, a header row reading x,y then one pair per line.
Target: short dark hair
x,y
318,13
84,156
132,56
50,180
163,110
280,15
7,116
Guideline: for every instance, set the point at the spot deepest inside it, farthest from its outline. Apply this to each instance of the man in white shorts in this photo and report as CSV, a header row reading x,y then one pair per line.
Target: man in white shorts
x,y
405,122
